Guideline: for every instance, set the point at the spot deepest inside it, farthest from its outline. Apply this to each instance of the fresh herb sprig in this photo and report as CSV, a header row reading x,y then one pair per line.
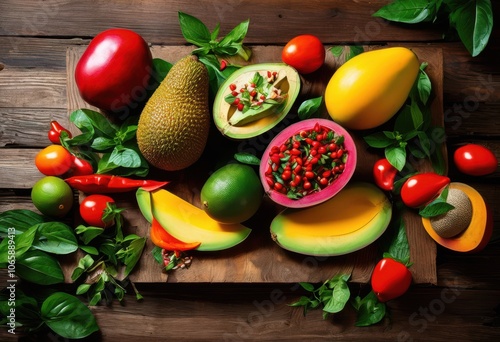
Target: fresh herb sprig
x,y
37,242
472,20
211,48
413,133
112,147
331,296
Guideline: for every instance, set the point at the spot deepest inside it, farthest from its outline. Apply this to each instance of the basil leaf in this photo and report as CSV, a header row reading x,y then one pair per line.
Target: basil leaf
x,y
435,209
83,264
309,107
416,115
247,158
378,140
424,85
18,219
131,254
39,267
125,157
337,51
193,30
409,11
87,234
339,298
399,248
236,35
370,310
89,120
354,50
55,238
396,155
103,144
161,69
473,21
67,316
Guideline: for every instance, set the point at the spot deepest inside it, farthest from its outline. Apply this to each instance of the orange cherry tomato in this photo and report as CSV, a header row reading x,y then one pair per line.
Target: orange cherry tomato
x,y
305,53
54,160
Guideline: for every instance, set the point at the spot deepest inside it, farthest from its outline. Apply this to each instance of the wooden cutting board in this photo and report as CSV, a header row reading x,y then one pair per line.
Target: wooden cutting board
x,y
258,259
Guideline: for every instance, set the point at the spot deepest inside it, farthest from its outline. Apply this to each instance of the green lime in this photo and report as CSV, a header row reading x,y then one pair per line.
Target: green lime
x,y
52,196
232,194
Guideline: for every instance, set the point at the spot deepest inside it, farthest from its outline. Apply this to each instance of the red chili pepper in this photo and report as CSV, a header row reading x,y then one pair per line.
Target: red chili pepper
x,y
390,279
79,167
102,184
55,132
384,174
421,189
161,238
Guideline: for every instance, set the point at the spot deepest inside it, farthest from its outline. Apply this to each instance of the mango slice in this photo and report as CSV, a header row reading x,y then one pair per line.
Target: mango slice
x,y
349,221
189,223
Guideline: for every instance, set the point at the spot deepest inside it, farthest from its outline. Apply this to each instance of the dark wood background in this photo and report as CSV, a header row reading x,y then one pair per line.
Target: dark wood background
x,y
465,303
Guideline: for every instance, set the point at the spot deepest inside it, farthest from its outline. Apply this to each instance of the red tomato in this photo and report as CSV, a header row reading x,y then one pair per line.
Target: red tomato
x,y
390,279
93,208
384,174
114,70
475,160
54,160
305,53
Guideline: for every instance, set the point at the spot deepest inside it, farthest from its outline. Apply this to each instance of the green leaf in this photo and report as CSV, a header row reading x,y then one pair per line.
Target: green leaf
x,y
17,221
39,267
378,140
103,143
435,209
131,254
370,310
399,247
67,316
309,107
354,50
424,85
87,234
236,35
87,119
339,297
193,30
125,157
396,155
83,265
161,69
473,21
247,158
307,286
56,238
337,50
404,122
416,115
409,11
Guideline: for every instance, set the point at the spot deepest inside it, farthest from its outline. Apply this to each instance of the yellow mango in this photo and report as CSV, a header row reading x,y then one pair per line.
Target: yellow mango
x,y
370,88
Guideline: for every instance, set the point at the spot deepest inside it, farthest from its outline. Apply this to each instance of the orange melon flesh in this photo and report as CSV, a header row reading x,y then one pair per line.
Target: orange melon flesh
x,y
479,231
351,220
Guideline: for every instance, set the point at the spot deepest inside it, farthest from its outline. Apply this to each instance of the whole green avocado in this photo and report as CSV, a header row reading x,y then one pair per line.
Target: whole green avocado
x,y
173,127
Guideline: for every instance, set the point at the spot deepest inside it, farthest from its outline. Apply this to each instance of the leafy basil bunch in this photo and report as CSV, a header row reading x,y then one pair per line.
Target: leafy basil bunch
x,y
114,148
413,131
110,257
37,243
211,46
472,20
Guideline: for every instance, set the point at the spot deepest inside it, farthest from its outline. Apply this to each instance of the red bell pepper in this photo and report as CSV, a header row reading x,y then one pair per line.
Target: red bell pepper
x,y
384,174
421,189
161,238
101,184
390,279
55,132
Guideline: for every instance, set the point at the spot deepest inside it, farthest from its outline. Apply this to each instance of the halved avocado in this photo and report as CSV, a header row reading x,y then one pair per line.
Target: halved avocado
x,y
266,116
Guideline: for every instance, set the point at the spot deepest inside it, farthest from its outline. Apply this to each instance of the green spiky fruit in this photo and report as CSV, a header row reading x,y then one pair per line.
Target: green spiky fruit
x,y
174,125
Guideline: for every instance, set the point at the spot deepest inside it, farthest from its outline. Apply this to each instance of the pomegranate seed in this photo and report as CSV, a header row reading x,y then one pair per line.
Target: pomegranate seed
x,y
319,137
333,155
322,150
241,106
236,101
234,93
314,160
283,148
270,181
269,170
274,150
323,181
332,147
326,174
309,174
295,152
340,152
232,86
297,169
298,160
278,186
275,158
253,93
286,175
262,97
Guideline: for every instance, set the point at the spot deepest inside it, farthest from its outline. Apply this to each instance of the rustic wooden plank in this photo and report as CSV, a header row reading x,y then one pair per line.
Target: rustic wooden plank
x,y
158,21
28,127
32,88
17,168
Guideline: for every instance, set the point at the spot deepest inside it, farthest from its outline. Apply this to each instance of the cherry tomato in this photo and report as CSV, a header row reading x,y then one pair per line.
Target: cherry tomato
x,y
305,53
390,279
475,160
384,174
54,160
421,189
94,207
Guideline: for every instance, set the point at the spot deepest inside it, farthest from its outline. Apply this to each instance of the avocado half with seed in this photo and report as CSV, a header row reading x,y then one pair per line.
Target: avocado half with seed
x,y
258,118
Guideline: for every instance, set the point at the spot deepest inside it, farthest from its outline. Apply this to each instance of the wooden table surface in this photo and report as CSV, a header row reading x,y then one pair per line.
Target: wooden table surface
x,y
465,303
